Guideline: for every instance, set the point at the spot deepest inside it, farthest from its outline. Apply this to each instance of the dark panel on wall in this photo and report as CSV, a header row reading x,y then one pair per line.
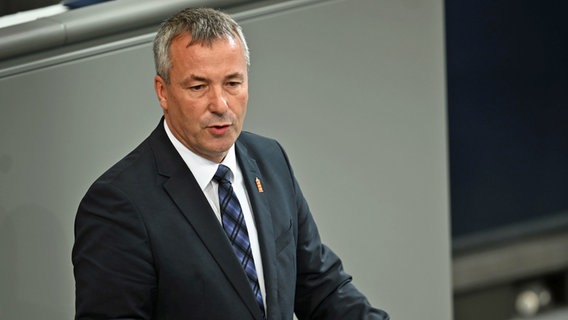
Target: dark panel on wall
x,y
13,6
507,64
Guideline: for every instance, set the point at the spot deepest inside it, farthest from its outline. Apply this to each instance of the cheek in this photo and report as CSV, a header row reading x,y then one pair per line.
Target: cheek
x,y
186,108
242,106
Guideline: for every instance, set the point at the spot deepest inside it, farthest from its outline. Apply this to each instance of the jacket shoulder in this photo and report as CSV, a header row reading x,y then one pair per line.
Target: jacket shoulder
x,y
253,138
259,145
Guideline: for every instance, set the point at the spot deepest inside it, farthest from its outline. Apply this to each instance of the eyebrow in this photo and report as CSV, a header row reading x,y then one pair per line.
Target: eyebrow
x,y
193,77
236,75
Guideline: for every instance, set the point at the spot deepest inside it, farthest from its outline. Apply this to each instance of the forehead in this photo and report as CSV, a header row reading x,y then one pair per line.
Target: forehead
x,y
184,45
220,56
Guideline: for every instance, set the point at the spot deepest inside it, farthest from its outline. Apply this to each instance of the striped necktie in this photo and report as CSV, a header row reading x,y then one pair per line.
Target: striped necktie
x,y
236,229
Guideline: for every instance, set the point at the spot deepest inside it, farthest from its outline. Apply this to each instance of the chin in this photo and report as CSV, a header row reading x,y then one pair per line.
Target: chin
x,y
222,148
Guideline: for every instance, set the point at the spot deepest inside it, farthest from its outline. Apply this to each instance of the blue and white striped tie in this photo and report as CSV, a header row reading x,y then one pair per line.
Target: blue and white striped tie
x,y
236,229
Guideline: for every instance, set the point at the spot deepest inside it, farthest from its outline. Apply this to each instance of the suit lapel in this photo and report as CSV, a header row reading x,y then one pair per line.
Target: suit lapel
x,y
263,220
189,198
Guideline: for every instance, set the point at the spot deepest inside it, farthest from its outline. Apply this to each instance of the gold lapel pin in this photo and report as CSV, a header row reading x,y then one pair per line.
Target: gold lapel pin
x,y
258,185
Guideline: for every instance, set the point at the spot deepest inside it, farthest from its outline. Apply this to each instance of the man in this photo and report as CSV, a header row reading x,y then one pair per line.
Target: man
x,y
201,220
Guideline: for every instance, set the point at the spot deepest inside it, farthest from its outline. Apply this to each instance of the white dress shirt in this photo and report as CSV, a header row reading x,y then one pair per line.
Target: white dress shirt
x,y
203,170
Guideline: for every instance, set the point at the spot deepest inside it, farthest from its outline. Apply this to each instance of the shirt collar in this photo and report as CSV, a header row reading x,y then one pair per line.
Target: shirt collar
x,y
203,170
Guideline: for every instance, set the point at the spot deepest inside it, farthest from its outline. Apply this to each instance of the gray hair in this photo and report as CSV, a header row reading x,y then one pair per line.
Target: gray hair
x,y
205,26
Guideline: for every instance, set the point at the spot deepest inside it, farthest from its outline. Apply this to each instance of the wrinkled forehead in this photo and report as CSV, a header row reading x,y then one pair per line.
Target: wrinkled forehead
x,y
192,39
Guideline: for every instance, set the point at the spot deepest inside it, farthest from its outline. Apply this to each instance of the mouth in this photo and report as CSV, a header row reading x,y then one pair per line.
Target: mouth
x,y
219,126
218,129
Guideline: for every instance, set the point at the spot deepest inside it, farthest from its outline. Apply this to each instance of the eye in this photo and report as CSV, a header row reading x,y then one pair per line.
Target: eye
x,y
198,87
233,83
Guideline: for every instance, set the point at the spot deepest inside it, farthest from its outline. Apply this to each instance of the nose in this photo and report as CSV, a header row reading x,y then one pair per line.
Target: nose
x,y
218,102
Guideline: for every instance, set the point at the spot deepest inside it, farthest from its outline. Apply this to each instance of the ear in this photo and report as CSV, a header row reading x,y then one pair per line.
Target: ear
x,y
160,86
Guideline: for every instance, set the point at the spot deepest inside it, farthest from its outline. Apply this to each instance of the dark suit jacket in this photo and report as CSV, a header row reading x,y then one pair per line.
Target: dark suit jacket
x,y
148,245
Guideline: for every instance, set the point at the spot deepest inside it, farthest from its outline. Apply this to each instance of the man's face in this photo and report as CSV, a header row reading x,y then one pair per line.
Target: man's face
x,y
205,102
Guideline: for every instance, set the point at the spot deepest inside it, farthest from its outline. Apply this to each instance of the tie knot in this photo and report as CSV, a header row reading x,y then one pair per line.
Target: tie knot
x,y
223,174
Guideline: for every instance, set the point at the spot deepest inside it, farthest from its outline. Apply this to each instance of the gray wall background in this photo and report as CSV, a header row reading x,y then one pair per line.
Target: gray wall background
x,y
353,89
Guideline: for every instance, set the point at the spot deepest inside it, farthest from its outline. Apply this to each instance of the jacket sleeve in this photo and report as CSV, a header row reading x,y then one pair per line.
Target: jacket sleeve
x,y
323,289
113,265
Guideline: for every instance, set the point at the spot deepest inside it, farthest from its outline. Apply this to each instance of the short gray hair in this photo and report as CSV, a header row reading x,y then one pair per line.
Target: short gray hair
x,y
205,26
